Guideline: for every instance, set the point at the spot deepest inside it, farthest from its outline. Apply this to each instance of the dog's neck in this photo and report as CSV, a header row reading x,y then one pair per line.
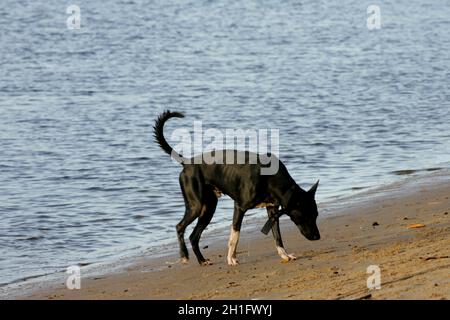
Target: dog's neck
x,y
287,195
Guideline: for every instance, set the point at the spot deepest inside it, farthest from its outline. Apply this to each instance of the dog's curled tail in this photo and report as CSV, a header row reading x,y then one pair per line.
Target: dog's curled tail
x,y
158,133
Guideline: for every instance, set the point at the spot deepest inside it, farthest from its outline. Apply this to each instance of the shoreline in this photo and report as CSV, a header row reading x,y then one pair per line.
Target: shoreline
x,y
216,234
414,263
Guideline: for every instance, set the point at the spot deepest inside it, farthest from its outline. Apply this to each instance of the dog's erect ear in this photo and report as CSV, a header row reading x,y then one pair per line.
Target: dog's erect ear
x,y
314,188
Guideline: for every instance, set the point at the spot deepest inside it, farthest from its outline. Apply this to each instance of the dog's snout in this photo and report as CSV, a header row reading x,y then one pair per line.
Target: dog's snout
x,y
310,235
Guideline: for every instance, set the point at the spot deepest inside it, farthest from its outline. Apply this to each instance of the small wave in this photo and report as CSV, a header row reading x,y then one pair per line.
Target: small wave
x,y
107,189
404,172
413,171
32,238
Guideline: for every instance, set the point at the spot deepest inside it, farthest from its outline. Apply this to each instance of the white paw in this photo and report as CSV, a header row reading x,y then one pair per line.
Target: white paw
x,y
292,257
284,255
288,257
232,261
184,260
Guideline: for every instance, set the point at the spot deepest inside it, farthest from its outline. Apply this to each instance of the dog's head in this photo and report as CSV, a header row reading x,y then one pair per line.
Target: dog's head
x,y
302,209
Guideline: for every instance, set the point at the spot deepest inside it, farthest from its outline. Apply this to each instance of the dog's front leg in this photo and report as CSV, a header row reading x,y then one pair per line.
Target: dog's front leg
x,y
272,211
232,245
234,235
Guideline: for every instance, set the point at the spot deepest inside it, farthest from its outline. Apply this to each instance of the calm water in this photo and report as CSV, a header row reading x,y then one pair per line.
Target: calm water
x,y
81,179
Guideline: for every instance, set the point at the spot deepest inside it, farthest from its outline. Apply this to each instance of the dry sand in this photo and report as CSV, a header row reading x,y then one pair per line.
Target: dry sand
x,y
414,263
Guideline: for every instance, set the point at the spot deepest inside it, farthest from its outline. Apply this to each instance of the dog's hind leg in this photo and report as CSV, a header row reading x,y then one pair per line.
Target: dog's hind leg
x,y
191,189
208,209
272,211
189,216
234,235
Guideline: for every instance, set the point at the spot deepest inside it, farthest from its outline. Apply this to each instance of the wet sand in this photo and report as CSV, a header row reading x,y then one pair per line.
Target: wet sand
x,y
368,229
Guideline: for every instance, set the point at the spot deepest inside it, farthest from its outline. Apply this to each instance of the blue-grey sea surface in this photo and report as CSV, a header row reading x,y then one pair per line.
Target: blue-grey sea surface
x,y
81,179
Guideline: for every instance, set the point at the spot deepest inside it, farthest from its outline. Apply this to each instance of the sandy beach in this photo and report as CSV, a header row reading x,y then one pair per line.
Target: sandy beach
x,y
372,228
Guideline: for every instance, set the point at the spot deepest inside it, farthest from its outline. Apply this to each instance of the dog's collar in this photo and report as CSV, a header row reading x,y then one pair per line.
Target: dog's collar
x,y
285,199
268,225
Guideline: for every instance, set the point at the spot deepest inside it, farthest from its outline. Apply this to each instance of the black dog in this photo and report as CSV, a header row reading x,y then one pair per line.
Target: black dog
x,y
201,184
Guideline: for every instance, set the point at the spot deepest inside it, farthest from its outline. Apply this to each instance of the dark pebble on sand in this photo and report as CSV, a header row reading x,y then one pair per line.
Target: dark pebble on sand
x,y
405,218
375,224
205,247
445,212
